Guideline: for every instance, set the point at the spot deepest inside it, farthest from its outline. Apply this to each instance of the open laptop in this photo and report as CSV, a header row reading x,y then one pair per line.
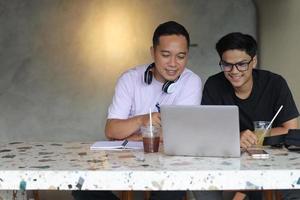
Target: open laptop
x,y
201,130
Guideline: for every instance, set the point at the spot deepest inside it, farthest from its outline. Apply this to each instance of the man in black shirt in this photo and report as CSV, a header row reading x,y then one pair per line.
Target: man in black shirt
x,y
257,93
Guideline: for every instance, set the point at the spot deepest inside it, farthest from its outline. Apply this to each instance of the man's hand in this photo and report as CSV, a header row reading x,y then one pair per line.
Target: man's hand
x,y
248,138
155,119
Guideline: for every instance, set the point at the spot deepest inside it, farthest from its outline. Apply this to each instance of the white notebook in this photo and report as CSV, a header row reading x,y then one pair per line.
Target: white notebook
x,y
116,145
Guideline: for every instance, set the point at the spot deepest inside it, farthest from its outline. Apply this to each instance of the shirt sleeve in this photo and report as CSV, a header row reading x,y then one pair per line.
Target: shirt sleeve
x,y
122,99
191,91
286,99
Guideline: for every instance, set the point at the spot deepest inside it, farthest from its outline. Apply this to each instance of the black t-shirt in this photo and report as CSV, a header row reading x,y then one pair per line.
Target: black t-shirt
x,y
269,92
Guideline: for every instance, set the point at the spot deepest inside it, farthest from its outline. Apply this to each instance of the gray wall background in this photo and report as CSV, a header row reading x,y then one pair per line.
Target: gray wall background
x,y
279,40
60,59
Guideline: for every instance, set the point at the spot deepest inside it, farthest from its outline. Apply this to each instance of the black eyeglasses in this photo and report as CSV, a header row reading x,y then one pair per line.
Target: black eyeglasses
x,y
241,66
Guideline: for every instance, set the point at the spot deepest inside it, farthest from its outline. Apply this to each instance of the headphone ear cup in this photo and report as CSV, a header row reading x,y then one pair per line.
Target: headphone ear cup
x,y
148,77
148,74
168,87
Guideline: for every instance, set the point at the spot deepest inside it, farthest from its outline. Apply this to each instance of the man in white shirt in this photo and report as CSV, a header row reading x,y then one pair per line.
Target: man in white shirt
x,y
166,81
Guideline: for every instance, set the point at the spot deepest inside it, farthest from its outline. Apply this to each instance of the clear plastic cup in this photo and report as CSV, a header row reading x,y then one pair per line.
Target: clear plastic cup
x,y
261,131
150,138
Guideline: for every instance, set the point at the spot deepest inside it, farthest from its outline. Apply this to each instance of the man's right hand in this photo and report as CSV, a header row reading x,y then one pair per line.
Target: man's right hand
x,y
248,139
155,119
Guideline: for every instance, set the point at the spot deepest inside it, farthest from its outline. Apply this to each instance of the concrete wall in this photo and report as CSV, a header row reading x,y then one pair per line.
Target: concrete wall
x,y
279,31
59,59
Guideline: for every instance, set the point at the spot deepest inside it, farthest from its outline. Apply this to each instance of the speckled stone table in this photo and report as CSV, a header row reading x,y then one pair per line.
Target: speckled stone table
x,y
73,166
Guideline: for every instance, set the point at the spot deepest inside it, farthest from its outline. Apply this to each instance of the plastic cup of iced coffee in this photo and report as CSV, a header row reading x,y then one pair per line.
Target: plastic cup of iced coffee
x,y
150,138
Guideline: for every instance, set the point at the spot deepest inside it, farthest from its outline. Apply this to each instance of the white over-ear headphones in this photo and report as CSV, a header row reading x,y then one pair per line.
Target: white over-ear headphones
x,y
168,86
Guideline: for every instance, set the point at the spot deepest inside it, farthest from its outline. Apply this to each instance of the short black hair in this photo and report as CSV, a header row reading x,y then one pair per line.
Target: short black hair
x,y
170,28
237,41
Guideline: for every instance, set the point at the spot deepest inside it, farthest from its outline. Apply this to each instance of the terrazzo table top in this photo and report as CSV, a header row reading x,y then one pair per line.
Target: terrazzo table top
x,y
73,166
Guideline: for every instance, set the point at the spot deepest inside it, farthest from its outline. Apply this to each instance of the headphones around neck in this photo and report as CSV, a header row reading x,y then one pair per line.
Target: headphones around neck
x,y
168,87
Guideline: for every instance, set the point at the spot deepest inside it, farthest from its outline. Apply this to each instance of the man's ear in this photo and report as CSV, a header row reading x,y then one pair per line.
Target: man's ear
x,y
254,60
152,52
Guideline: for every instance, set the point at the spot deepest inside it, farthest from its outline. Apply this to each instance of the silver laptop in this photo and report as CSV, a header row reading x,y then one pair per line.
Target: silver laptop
x,y
201,130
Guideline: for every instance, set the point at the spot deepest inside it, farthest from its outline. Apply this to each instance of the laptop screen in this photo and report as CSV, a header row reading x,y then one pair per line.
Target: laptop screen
x,y
201,130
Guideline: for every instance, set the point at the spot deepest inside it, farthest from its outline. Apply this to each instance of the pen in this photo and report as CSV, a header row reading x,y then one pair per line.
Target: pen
x,y
157,106
124,144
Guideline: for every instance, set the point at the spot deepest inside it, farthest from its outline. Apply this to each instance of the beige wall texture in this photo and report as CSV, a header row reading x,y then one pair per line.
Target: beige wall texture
x,y
279,40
